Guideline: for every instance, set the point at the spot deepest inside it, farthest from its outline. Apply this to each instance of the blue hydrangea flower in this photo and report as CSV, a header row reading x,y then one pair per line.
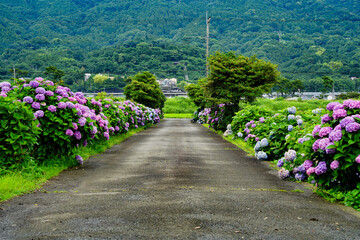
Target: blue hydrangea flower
x,y
292,110
291,117
261,155
264,142
257,146
290,128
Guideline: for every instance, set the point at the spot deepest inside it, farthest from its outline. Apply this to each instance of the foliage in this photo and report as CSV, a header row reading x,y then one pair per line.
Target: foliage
x,y
306,38
53,73
18,132
179,105
66,120
327,155
237,78
145,90
196,93
352,95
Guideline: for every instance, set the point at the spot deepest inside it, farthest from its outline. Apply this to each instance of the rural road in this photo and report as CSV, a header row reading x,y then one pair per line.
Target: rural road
x,y
175,180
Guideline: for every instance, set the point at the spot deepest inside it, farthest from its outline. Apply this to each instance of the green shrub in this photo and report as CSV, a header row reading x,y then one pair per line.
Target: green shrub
x,y
18,132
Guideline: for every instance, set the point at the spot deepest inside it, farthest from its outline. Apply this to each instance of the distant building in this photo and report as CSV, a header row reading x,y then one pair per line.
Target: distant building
x,y
87,76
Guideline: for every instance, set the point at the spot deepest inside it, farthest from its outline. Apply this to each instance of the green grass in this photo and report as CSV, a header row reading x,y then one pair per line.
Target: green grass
x,y
179,105
302,105
178,115
20,182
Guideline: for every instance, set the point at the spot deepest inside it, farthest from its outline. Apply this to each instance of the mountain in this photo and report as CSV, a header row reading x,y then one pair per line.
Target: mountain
x,y
306,38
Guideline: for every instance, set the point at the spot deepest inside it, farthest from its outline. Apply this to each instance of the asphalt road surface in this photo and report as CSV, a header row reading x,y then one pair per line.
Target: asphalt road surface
x,y
175,180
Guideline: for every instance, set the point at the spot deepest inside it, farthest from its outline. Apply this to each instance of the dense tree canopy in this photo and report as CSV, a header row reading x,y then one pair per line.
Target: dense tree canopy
x,y
144,89
235,78
307,39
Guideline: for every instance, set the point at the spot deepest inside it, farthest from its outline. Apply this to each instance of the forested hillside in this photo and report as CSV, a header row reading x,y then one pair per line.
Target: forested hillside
x,y
307,38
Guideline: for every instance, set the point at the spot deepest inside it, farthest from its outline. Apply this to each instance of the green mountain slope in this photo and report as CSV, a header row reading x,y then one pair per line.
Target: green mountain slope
x,y
307,38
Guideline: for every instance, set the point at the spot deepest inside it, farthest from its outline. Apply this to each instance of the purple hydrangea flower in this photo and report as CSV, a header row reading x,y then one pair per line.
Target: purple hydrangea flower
x,y
351,103
52,108
70,105
40,90
301,140
34,84
290,155
283,173
334,165
94,130
253,125
75,126
337,107
62,105
69,132
325,131
326,118
315,146
330,150
352,127
357,159
117,128
106,135
85,143
79,159
262,119
28,99
40,97
35,105
317,128
310,171
5,89
307,164
331,106
280,162
323,143
340,113
5,84
82,121
77,135
346,121
335,135
49,93
321,168
300,176
39,114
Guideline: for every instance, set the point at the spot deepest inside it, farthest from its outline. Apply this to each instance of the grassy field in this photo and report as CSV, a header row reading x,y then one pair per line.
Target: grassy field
x,y
178,115
281,104
179,105
21,182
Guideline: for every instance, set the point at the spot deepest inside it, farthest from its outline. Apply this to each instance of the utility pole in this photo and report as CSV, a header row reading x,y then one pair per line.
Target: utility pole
x,y
207,42
186,73
14,72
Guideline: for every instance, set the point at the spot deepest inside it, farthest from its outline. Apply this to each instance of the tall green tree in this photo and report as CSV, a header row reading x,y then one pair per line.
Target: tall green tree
x,y
328,84
54,74
235,78
144,89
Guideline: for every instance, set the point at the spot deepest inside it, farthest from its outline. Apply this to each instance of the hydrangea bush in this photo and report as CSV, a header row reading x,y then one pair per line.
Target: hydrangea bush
x,y
67,120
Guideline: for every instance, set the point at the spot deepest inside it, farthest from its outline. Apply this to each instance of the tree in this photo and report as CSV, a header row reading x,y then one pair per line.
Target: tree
x,y
235,78
328,84
144,89
54,73
196,92
296,86
282,85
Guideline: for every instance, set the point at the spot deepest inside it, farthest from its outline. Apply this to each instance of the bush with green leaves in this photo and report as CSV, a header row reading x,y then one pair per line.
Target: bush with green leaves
x,y
18,132
67,120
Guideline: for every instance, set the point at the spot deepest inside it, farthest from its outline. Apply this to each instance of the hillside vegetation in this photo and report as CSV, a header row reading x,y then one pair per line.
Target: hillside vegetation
x,y
307,39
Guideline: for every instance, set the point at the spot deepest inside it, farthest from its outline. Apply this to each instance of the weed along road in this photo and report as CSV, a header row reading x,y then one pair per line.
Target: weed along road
x,y
175,180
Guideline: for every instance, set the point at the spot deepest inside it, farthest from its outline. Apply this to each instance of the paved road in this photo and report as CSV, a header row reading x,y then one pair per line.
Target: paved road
x,y
176,180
